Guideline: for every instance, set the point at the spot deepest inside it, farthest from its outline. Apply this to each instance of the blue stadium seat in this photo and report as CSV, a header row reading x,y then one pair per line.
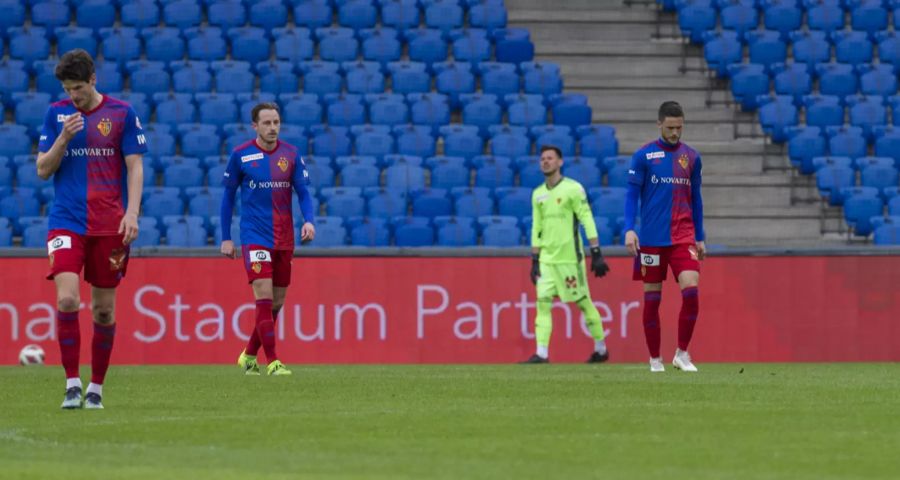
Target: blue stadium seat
x,y
542,78
294,45
343,201
569,113
321,174
363,79
868,16
499,79
783,16
140,14
28,44
70,38
27,177
823,110
217,109
50,15
268,14
846,141
791,79
345,110
163,44
199,140
509,141
462,141
766,47
454,79
182,175
831,161
721,49
494,174
598,141
313,13
328,141
205,202
149,77
373,141
303,110
95,14
748,81
360,174
427,46
527,113
159,143
357,14
831,179
472,202
444,15
159,202
887,234
867,112
471,45
877,79
205,44
185,232
825,17
182,14
880,177
381,45
13,14
384,203
45,78
481,110
805,144
695,18
191,77
889,48
387,110
277,77
514,201
415,140
513,45
584,170
449,172
887,143
249,44
30,109
409,77
369,232
488,15
35,236
14,140
810,48
852,47
321,78
227,14
858,212
894,206
608,203
558,136
739,18
337,44
6,176
404,175
500,231
413,232
400,14
431,203
429,109
233,77
456,231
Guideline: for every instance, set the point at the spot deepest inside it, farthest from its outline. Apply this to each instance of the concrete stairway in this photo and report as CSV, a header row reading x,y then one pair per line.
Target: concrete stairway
x,y
628,60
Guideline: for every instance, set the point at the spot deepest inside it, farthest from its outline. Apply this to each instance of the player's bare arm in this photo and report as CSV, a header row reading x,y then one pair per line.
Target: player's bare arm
x,y
227,249
632,244
135,178
48,162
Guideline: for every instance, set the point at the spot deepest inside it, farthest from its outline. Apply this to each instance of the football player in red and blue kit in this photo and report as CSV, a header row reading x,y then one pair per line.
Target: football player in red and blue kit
x,y
92,145
665,176
266,170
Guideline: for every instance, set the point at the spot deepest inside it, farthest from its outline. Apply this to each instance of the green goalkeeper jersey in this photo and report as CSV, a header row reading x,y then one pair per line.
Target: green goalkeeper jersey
x,y
556,213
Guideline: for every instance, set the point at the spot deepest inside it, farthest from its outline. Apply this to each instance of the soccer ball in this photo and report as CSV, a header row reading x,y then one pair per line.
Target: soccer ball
x,y
31,355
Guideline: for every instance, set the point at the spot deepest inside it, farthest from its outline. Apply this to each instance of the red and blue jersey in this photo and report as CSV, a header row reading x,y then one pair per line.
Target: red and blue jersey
x,y
90,185
668,179
266,179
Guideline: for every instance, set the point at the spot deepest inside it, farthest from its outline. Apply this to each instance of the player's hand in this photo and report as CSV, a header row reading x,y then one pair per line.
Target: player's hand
x,y
307,233
535,268
128,227
598,265
632,243
74,123
701,250
227,248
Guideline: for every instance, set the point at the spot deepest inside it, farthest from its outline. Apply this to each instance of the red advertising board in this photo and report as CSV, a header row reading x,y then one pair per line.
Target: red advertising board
x,y
469,310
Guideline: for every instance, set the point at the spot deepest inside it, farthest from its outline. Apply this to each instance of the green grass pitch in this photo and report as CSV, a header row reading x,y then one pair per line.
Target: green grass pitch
x,y
772,421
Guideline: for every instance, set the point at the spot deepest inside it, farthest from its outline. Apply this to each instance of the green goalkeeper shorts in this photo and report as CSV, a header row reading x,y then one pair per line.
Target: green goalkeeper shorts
x,y
568,281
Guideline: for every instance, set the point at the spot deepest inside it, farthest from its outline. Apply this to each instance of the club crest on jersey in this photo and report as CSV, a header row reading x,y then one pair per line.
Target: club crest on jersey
x,y
571,282
282,164
683,161
117,259
256,267
105,126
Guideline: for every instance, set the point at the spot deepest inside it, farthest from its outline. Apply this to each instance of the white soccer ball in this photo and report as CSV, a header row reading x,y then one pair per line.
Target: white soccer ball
x,y
31,355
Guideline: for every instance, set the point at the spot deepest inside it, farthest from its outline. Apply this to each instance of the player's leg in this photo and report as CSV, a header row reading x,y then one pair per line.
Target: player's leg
x,y
650,268
595,326
265,325
66,255
576,290
106,262
543,321
686,268
281,278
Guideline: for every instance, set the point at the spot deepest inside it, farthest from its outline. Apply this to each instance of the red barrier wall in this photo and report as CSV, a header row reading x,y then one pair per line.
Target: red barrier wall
x,y
470,310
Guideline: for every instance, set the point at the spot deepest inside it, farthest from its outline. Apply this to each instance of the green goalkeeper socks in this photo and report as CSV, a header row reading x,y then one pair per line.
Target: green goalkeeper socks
x,y
543,323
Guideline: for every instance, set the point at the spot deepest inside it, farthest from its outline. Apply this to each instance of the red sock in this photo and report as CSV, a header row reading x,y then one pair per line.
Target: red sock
x,y
265,328
69,336
101,349
652,328
254,343
690,307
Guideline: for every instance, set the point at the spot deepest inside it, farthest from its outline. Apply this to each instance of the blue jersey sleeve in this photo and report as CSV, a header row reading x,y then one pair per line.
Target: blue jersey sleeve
x,y
638,168
697,201
133,139
300,180
49,131
231,181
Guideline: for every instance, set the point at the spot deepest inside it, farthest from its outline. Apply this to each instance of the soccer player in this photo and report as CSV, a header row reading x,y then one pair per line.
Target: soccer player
x,y
665,175
266,169
557,256
92,145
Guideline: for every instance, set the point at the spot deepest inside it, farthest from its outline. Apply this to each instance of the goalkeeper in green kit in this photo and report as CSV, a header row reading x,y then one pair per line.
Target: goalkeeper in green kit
x,y
557,256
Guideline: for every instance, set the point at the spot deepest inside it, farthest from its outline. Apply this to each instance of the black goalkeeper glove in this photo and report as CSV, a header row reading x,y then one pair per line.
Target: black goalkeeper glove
x,y
598,265
535,267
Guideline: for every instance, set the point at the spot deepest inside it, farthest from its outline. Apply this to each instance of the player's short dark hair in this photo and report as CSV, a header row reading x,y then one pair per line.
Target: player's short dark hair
x,y
254,114
554,148
75,65
670,109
